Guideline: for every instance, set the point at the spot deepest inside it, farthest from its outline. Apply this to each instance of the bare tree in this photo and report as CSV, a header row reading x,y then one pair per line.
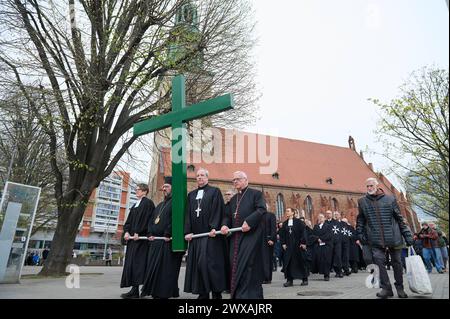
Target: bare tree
x,y
24,148
415,130
102,66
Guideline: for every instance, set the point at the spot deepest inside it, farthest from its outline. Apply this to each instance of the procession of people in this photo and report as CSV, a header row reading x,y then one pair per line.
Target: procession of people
x,y
240,241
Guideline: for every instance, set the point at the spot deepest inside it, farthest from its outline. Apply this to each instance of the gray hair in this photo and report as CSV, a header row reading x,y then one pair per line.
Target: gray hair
x,y
242,174
372,179
204,170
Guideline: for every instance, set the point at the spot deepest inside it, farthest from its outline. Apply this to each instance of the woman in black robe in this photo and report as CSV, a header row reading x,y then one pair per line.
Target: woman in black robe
x,y
321,238
270,237
293,242
136,255
309,245
163,265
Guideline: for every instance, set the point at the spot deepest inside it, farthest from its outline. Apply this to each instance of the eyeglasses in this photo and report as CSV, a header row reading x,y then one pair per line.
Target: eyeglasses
x,y
228,194
237,179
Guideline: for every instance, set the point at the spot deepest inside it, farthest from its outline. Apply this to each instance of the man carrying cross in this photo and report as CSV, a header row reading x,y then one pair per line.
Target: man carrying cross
x,y
163,265
181,113
246,209
205,266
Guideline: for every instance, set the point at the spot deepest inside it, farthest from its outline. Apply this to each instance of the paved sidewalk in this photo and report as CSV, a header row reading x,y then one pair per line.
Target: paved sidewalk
x,y
103,283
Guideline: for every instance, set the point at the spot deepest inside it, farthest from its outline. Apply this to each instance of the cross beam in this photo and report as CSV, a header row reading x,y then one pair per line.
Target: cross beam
x,y
176,120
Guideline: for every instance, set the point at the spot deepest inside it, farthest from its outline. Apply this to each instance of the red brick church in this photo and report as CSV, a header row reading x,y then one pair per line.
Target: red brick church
x,y
309,176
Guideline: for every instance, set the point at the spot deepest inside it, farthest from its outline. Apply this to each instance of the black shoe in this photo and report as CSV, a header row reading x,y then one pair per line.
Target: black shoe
x,y
383,294
347,273
132,294
203,296
326,278
216,295
339,275
401,293
304,283
288,283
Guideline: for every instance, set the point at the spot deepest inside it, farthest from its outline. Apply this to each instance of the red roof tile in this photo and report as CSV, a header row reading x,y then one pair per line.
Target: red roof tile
x,y
301,164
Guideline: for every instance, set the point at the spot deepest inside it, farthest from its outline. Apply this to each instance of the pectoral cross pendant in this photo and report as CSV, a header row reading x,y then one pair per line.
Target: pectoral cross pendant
x,y
198,210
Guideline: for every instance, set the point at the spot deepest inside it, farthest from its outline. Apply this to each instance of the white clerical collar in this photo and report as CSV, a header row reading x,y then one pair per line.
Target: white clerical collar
x,y
290,222
137,203
320,225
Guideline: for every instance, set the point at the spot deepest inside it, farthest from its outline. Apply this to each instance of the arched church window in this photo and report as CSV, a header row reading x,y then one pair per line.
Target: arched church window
x,y
308,207
280,206
334,205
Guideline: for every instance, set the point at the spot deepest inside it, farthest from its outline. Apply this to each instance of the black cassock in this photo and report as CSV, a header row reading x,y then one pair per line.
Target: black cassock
x,y
206,261
247,270
270,233
294,266
309,248
336,250
163,265
353,255
345,247
321,256
136,255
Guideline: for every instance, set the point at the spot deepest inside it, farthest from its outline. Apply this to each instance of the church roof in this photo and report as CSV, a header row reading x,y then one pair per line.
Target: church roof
x,y
301,164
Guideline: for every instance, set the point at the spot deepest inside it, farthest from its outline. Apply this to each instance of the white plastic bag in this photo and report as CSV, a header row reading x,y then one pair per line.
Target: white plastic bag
x,y
417,275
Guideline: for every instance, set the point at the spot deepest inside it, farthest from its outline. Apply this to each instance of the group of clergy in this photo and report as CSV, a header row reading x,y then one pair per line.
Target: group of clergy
x,y
229,261
331,245
237,262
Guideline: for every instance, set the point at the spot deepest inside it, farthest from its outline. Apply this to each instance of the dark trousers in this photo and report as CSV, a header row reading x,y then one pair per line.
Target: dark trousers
x,y
345,256
379,257
337,257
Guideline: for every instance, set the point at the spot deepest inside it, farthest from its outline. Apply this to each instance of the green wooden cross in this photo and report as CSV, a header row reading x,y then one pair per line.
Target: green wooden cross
x,y
176,119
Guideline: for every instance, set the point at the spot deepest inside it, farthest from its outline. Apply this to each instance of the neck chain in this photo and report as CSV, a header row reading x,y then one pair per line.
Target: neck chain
x,y
239,202
199,202
161,210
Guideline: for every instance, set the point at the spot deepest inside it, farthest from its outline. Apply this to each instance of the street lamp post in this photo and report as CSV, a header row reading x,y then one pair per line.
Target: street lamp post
x,y
106,236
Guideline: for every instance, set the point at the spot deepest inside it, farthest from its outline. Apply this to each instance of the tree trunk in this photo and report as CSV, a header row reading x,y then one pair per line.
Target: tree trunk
x,y
62,244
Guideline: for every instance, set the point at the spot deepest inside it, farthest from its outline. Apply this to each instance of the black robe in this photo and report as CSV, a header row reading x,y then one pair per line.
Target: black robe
x,y
247,271
294,266
345,246
206,260
270,233
321,262
163,265
336,250
353,249
136,255
309,248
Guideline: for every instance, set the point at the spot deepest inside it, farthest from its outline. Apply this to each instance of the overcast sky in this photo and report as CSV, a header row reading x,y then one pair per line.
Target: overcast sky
x,y
320,60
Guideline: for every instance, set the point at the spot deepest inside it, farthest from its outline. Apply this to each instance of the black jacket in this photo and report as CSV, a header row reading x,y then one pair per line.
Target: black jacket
x,y
380,223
